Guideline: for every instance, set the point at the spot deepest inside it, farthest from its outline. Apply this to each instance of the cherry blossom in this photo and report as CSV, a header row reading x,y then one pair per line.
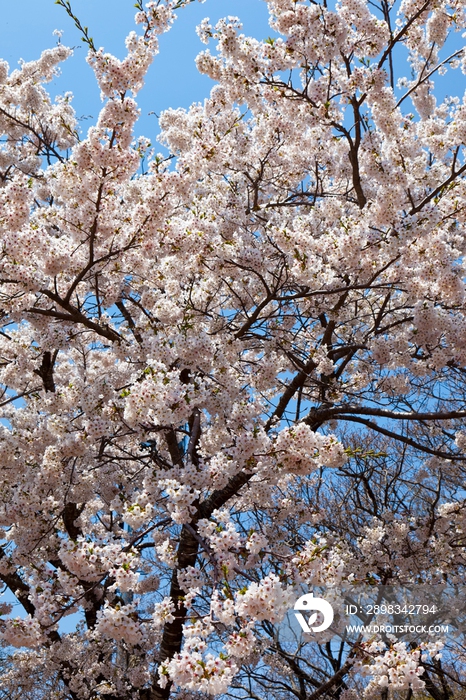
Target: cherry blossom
x,y
241,372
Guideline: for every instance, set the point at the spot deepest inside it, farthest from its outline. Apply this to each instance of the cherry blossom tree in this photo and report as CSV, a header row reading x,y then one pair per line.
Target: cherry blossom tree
x,y
240,370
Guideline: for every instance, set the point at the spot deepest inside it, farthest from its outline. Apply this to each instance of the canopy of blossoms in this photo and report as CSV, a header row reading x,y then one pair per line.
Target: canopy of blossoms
x,y
240,370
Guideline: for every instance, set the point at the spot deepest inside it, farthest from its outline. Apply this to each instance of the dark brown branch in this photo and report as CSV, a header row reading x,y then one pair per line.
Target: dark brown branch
x,y
19,396
404,439
129,320
172,637
173,448
70,513
438,189
296,383
195,427
45,371
17,586
336,411
75,316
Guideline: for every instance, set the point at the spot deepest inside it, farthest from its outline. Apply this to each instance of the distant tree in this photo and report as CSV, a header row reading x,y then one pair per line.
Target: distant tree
x,y
241,370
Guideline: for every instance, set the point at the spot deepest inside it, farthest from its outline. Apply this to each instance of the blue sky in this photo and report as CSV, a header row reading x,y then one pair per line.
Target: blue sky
x,y
173,81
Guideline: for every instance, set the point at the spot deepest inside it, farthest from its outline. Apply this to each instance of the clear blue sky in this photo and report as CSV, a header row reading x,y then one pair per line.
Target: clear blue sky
x,y
173,81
